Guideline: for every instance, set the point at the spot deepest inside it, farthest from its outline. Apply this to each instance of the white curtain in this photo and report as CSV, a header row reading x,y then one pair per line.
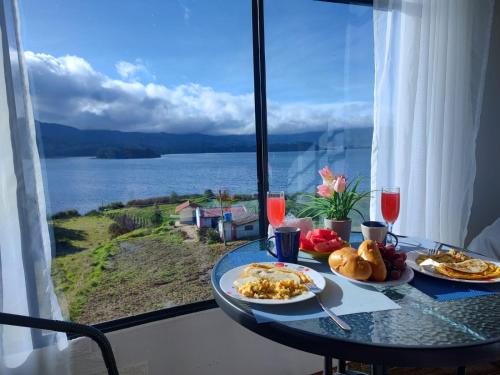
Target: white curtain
x,y
430,62
25,253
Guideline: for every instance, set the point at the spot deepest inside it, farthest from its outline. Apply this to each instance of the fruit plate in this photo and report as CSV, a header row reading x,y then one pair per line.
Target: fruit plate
x,y
227,280
411,261
317,254
406,277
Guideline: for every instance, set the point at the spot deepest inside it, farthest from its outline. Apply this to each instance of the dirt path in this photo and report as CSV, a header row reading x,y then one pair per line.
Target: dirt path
x,y
190,231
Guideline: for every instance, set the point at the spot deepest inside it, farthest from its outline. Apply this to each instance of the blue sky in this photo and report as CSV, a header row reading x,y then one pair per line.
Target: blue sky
x,y
318,55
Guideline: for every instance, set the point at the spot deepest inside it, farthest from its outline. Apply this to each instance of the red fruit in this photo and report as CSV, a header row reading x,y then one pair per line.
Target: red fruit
x,y
390,252
324,247
336,243
306,244
390,246
326,234
309,235
317,239
398,264
395,274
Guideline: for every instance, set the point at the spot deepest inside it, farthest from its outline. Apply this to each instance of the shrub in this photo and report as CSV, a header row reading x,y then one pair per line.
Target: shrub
x,y
111,206
65,214
93,213
157,218
115,230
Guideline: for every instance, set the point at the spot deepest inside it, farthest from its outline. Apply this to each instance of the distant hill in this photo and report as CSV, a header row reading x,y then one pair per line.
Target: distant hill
x,y
126,153
56,140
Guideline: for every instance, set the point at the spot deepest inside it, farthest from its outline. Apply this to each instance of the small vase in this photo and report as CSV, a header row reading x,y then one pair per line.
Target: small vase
x,y
342,227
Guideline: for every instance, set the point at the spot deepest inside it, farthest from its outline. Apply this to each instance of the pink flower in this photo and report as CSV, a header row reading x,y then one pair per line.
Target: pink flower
x,y
327,175
339,184
325,190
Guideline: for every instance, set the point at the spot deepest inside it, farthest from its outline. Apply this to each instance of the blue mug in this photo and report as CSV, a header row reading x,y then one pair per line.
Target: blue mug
x,y
287,244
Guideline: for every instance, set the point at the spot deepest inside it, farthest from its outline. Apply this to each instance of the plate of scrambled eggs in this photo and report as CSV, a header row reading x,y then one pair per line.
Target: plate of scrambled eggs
x,y
271,283
456,265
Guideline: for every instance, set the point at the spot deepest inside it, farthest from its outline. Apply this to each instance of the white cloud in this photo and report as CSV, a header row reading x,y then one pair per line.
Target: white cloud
x,y
67,90
186,10
131,71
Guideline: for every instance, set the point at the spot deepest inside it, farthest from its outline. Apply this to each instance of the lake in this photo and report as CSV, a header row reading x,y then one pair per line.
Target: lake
x,y
85,183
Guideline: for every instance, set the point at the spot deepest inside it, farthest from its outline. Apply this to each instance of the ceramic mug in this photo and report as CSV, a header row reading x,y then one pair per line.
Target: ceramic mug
x,y
376,231
287,241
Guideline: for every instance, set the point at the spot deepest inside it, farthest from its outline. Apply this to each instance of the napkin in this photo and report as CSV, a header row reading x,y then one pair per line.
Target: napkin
x,y
340,295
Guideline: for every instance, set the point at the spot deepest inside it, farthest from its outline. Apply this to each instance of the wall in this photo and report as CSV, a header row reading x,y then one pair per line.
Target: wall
x,y
186,215
486,204
241,233
206,343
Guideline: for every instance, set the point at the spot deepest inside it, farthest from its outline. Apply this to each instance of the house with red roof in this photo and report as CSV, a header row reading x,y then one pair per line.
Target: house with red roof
x,y
187,212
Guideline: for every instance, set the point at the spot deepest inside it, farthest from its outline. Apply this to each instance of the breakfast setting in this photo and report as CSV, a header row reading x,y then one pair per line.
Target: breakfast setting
x,y
312,269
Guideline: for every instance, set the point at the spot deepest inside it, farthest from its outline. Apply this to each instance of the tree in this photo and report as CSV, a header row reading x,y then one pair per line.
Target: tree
x,y
157,218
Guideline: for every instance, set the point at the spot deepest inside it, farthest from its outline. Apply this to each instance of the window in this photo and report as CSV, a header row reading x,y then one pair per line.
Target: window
x,y
148,138
319,68
123,114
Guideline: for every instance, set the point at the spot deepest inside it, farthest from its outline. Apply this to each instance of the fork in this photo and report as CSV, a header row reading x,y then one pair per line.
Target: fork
x,y
434,251
316,291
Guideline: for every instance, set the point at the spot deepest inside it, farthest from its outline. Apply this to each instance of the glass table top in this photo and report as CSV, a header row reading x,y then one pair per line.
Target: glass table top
x,y
421,321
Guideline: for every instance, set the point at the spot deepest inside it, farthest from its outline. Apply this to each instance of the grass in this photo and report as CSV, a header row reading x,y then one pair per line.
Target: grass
x,y
99,279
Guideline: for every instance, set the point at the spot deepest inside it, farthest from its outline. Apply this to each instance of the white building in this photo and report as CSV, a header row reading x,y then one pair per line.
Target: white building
x,y
240,228
187,212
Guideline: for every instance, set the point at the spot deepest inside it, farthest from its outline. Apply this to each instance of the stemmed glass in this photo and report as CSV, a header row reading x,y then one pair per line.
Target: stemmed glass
x,y
276,208
390,205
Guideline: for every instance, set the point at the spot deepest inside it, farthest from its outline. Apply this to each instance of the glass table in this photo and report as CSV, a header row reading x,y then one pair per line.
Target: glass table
x,y
423,333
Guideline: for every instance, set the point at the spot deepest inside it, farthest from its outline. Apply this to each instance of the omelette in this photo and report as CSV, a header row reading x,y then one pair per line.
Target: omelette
x,y
457,265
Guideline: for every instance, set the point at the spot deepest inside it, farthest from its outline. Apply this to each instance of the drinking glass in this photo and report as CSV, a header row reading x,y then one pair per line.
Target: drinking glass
x,y
390,205
275,207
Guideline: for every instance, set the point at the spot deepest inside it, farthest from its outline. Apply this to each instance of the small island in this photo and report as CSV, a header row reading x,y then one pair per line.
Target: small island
x,y
126,153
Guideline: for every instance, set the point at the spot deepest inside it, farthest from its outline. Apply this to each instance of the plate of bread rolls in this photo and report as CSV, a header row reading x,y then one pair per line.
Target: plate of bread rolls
x,y
371,264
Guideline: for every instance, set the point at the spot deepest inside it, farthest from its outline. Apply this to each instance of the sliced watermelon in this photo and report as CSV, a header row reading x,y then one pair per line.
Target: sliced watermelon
x,y
305,244
336,243
324,247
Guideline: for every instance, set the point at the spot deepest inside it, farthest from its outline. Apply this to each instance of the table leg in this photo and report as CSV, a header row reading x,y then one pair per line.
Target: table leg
x,y
461,370
378,370
328,369
341,367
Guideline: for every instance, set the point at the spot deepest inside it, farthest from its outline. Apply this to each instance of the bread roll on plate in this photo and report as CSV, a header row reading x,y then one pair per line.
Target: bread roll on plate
x,y
368,250
347,262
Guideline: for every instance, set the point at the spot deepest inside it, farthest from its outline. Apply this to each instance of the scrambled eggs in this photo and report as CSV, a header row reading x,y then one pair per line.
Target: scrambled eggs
x,y
268,282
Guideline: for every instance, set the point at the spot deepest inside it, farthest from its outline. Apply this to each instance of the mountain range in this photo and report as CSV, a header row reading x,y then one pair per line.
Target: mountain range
x,y
56,140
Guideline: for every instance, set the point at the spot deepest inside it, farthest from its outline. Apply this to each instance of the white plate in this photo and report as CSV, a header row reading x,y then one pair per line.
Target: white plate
x,y
406,277
411,261
227,280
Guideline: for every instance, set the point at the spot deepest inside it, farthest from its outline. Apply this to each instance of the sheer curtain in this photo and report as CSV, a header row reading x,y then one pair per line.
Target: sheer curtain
x,y
25,253
430,62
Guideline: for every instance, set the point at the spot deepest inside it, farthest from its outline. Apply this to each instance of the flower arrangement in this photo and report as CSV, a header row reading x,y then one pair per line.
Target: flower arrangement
x,y
335,197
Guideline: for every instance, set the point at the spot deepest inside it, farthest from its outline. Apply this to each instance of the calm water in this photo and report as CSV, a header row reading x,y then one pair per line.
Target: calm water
x,y
85,183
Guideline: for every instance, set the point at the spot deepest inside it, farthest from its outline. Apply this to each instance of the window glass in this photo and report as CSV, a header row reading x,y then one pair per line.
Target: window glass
x,y
319,67
145,124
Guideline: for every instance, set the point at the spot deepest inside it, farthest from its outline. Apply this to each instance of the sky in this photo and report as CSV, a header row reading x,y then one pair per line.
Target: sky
x,y
186,66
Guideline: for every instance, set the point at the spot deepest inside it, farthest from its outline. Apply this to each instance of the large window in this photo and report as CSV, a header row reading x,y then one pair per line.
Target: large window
x,y
145,115
145,124
319,62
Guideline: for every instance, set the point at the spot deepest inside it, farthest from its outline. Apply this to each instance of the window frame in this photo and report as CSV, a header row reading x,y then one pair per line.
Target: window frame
x,y
261,134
